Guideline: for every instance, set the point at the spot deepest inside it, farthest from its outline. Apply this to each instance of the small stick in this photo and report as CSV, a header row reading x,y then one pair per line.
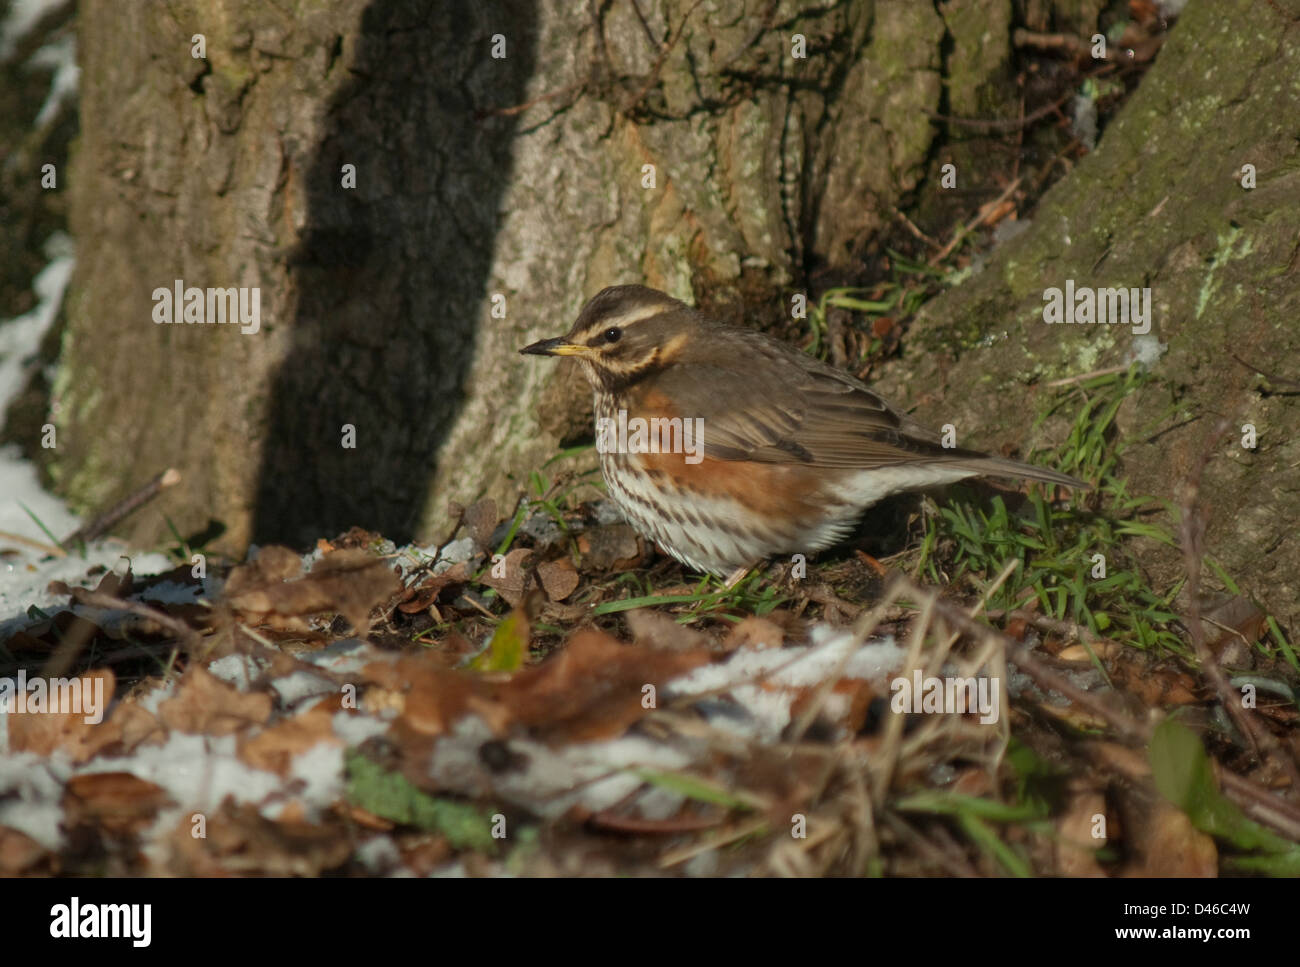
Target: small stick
x,y
1067,42
658,67
68,650
123,508
984,214
35,544
1070,380
911,227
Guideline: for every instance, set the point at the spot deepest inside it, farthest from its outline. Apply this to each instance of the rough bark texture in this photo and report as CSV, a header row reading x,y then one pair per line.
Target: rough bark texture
x,y
376,301
228,171
1160,204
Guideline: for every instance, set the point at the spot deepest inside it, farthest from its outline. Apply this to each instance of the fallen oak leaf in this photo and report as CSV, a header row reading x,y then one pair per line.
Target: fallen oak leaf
x,y
49,727
594,687
508,577
205,705
350,582
273,749
559,578
120,802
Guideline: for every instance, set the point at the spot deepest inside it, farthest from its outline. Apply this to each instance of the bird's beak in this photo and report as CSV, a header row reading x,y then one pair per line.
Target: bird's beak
x,y
556,347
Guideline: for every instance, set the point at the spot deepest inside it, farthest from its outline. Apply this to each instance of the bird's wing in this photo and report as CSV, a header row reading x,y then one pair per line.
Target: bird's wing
x,y
782,410
786,407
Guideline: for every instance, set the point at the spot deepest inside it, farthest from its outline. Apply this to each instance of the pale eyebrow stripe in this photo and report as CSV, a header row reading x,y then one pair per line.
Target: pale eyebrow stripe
x,y
635,314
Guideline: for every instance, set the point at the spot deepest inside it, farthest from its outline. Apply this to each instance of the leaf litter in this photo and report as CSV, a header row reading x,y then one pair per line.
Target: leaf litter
x,y
489,705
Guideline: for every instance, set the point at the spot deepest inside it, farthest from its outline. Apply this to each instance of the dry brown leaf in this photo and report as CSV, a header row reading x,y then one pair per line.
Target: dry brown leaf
x,y
351,582
421,596
205,705
385,672
559,578
1130,763
755,632
425,853
1074,715
119,802
1102,649
611,547
135,726
364,817
353,537
858,692
356,583
273,565
273,749
973,781
240,840
19,853
654,629
508,576
1231,626
115,585
36,640
594,688
43,732
1075,845
436,697
1155,683
1168,845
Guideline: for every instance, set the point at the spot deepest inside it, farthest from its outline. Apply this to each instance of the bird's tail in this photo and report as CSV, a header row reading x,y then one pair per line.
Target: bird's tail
x,y
1002,467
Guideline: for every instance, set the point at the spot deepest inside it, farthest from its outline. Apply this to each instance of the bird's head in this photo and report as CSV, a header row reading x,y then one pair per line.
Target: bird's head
x,y
622,334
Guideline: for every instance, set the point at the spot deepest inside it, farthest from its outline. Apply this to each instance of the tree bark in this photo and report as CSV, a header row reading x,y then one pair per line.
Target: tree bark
x,y
1161,204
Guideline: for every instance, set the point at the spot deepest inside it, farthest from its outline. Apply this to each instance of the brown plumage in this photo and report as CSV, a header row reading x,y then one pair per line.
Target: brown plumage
x,y
792,449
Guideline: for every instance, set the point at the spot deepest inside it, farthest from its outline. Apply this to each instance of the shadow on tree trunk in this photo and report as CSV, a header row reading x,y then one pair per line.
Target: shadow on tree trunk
x,y
392,274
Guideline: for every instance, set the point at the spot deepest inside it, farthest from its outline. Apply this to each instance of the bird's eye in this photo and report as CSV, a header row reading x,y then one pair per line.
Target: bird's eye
x,y
613,333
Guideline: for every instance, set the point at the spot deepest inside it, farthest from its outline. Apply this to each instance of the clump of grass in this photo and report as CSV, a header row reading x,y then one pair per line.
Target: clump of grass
x,y
710,598
910,284
1075,561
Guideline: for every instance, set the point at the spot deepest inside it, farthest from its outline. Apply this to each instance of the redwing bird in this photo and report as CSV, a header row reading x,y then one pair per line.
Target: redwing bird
x,y
786,451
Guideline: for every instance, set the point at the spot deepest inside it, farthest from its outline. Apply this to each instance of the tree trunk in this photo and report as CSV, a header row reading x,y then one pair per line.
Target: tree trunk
x,y
377,301
728,152
1162,203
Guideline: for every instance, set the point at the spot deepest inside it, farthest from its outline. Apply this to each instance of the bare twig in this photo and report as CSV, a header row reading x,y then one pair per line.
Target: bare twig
x,y
1267,375
68,650
104,522
1071,380
911,227
658,67
34,544
985,213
